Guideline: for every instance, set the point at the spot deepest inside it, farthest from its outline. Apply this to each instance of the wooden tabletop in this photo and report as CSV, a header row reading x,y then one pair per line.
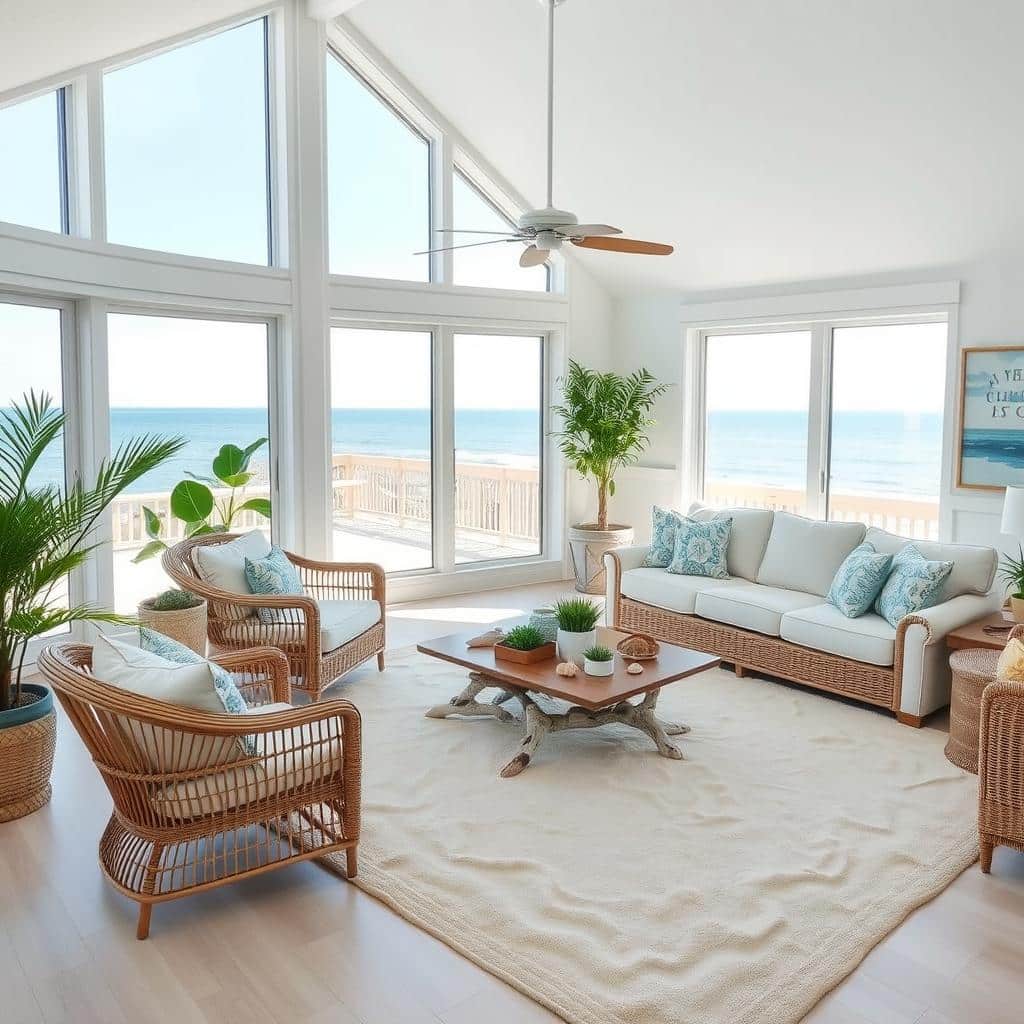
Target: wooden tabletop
x,y
974,635
591,692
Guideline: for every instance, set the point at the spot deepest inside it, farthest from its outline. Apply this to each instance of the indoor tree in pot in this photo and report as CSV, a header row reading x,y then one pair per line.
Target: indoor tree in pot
x,y
1012,571
46,532
604,421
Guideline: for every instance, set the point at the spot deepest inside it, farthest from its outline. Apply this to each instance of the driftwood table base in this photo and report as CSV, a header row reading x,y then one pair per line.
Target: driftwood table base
x,y
538,721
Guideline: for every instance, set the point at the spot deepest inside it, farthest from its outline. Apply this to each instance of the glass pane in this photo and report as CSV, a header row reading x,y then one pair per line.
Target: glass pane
x,y
488,266
756,393
381,444
30,176
888,391
498,429
30,354
205,380
378,184
185,136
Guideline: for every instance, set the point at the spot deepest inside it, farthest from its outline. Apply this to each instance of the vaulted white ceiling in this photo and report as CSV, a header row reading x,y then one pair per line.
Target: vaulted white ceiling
x,y
787,140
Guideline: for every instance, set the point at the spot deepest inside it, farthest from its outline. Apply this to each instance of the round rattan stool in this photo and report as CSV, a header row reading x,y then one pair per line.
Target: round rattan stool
x,y
972,671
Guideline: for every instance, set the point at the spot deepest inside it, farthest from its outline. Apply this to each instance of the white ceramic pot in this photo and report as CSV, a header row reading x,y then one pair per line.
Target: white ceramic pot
x,y
572,645
598,668
587,545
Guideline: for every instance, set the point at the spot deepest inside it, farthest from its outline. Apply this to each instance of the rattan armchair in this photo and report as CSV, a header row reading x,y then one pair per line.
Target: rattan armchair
x,y
264,789
232,622
1001,766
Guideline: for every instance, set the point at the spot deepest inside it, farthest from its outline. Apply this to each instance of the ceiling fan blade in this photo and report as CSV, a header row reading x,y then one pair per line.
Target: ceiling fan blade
x,y
583,230
623,245
467,245
532,256
471,231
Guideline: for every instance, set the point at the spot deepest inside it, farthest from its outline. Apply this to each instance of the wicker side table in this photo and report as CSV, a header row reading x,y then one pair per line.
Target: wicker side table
x,y
972,671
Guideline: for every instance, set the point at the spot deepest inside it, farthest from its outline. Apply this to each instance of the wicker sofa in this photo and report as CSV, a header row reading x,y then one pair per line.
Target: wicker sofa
x,y
771,615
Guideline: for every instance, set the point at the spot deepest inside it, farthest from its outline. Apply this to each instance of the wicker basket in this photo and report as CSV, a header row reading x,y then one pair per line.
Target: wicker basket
x,y
26,760
186,625
972,670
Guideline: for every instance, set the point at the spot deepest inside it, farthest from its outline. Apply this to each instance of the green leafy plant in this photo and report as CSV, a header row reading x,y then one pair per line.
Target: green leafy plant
x,y
46,532
524,638
175,601
598,653
1012,571
201,504
604,421
577,614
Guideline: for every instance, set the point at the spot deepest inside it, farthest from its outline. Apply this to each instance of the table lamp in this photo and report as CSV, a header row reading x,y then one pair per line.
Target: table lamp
x,y
1012,569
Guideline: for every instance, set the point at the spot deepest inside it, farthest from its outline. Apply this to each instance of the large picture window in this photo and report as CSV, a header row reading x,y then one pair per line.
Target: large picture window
x,y
850,413
186,148
205,380
33,170
378,183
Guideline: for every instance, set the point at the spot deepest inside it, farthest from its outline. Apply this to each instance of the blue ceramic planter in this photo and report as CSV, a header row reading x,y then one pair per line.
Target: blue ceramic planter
x,y
28,712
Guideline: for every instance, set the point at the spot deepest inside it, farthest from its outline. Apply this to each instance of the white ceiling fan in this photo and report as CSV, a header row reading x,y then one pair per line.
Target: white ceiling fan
x,y
545,230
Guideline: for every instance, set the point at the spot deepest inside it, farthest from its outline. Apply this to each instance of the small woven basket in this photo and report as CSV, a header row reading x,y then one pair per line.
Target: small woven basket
x,y
186,625
638,647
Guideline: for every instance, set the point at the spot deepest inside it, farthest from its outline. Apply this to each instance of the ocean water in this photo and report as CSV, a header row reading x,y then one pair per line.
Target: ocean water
x,y
872,453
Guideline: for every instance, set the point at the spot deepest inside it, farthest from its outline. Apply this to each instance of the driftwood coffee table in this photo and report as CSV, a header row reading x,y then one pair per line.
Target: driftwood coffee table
x,y
594,701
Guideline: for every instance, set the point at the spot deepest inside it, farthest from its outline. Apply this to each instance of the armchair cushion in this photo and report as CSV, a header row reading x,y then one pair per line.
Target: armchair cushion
x,y
272,575
223,565
1011,661
291,758
340,621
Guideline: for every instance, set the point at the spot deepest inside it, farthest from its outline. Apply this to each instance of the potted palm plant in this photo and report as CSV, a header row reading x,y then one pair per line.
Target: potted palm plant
x,y
46,532
605,417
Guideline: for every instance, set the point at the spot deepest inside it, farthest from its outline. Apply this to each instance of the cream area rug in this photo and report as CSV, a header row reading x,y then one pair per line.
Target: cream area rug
x,y
615,886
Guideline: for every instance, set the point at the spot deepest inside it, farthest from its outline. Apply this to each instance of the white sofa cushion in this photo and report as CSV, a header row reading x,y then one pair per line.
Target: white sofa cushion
x,y
748,539
823,627
805,554
974,567
664,590
223,565
340,621
752,606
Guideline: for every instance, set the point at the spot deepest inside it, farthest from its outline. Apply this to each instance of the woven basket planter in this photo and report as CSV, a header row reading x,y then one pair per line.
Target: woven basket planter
x,y
26,753
186,625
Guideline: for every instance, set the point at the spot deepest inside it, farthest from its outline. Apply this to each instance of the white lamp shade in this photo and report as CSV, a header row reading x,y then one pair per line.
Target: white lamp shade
x,y
1013,512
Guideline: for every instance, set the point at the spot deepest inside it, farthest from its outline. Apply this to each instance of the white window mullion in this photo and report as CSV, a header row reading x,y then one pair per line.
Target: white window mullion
x,y
442,212
818,423
91,212
443,456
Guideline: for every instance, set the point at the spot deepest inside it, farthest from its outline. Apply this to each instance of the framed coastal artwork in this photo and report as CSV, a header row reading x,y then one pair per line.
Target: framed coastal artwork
x,y
991,452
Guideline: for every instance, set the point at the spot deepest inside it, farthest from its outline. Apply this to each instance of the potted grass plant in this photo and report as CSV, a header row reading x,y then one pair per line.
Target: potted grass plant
x,y
178,614
577,627
598,661
605,417
46,533
524,645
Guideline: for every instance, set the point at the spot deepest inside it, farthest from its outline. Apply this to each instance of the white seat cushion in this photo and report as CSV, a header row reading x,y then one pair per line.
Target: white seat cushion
x,y
223,565
291,758
867,638
751,606
340,621
666,590
805,554
748,537
974,567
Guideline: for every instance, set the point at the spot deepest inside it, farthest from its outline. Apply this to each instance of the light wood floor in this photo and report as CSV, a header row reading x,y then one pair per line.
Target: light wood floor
x,y
301,946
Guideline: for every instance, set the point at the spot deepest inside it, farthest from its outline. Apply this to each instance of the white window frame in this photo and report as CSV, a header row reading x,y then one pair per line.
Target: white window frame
x,y
819,401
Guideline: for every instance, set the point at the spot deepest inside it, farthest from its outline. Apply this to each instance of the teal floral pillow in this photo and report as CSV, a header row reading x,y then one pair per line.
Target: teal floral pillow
x,y
859,580
272,575
913,584
229,694
701,548
663,536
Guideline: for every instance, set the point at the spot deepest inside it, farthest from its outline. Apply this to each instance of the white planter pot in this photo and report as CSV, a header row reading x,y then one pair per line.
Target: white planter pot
x,y
587,545
598,668
572,645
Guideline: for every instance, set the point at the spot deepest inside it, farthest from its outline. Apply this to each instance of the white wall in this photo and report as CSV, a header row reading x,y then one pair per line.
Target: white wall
x,y
647,330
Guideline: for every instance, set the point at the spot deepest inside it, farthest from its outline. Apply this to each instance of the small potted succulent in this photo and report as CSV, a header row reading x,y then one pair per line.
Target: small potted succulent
x,y
577,627
179,615
1012,571
524,645
598,661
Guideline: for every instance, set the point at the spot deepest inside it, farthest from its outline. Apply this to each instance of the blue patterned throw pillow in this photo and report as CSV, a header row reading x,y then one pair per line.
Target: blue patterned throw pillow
x,y
859,580
229,694
664,522
913,584
272,575
701,548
